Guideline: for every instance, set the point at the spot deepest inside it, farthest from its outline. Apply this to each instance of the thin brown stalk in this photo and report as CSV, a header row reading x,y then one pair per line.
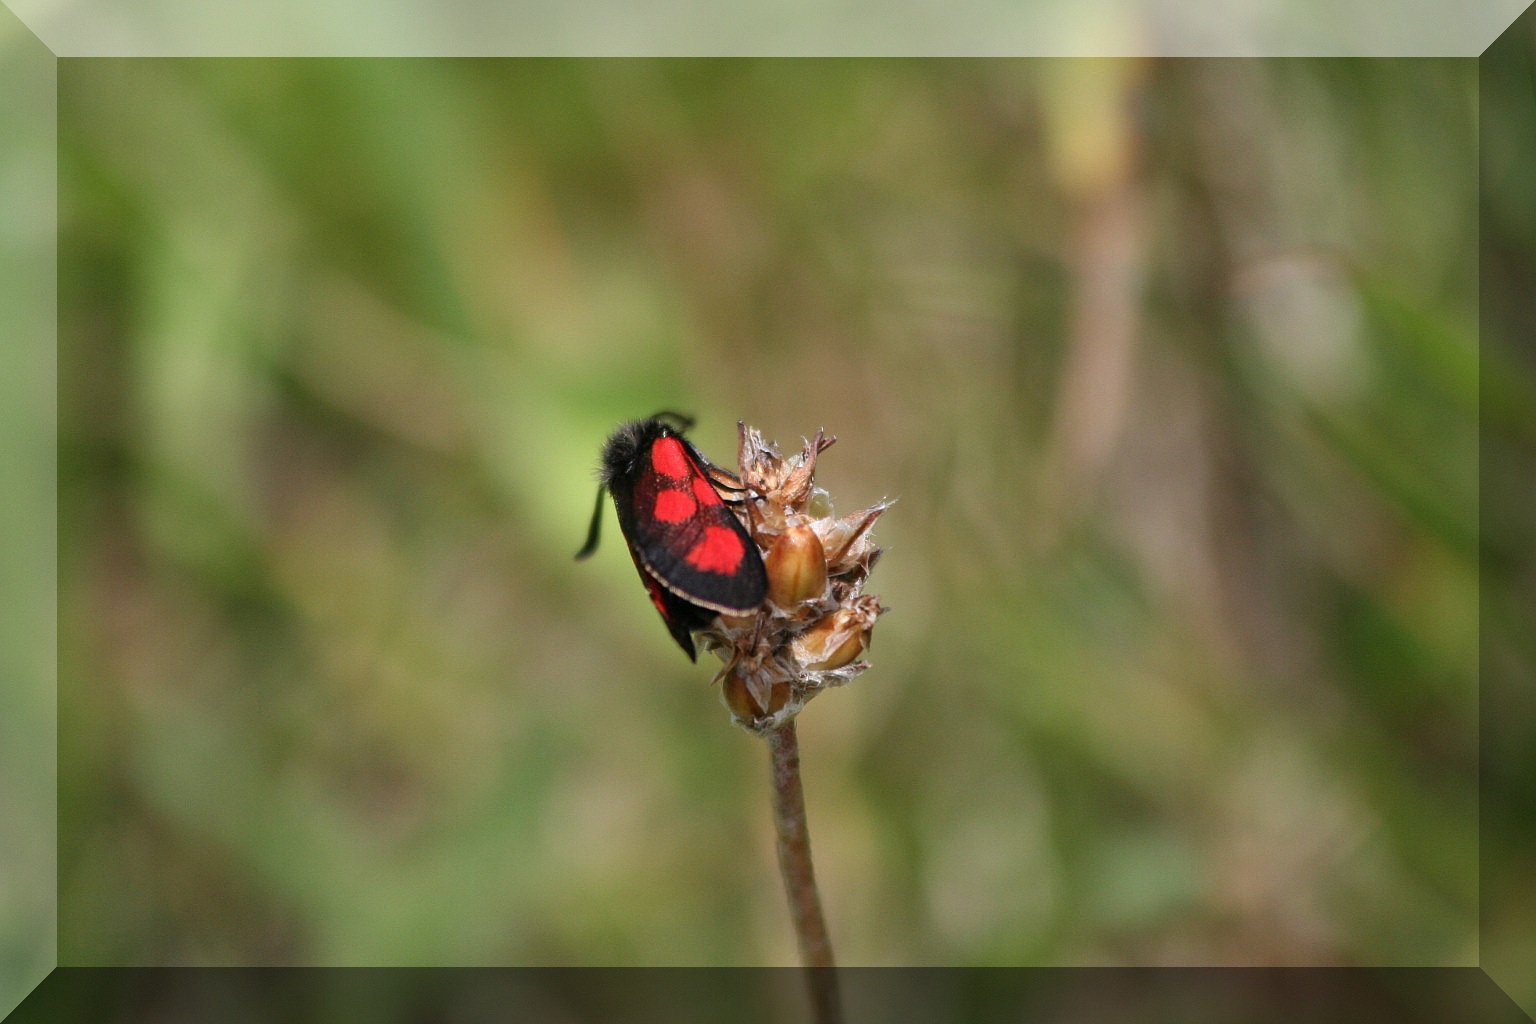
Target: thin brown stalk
x,y
794,844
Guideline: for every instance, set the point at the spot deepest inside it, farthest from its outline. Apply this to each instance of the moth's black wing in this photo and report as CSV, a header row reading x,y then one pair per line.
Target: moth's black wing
x,y
685,534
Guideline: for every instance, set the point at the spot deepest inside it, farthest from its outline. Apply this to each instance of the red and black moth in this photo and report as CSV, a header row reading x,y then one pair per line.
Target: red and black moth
x,y
694,556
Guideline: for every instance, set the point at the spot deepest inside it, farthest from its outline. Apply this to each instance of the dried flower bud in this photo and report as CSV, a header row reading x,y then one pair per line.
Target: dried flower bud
x,y
797,567
747,706
784,485
836,639
847,541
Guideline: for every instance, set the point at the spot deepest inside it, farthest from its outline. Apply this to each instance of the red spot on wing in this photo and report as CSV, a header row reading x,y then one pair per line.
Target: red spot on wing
x,y
668,457
658,598
705,492
719,550
673,506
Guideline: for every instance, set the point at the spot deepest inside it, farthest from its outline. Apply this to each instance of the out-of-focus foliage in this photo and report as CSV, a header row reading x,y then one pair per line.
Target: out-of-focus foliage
x,y
1172,367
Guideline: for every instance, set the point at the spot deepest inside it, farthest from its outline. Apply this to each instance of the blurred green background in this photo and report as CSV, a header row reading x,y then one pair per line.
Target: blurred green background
x,y
1172,366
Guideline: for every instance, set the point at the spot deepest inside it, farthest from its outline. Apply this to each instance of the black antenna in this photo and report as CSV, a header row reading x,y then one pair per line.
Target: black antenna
x,y
682,422
592,531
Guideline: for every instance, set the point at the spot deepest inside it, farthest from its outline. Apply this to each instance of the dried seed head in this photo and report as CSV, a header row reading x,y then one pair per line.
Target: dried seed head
x,y
816,622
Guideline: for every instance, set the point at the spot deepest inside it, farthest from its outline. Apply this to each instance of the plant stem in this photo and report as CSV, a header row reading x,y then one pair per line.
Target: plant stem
x,y
794,843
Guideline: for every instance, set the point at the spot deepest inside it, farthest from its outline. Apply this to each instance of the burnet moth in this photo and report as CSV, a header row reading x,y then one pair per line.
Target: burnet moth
x,y
694,556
